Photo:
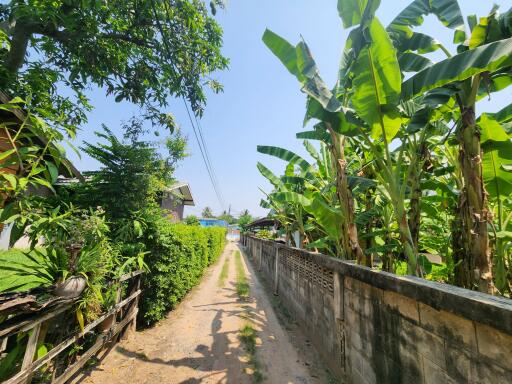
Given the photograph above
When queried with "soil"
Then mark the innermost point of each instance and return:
(199, 341)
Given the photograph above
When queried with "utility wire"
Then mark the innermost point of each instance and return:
(207, 153)
(199, 138)
(205, 159)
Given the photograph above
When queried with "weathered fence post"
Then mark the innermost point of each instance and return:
(338, 296)
(30, 352)
(130, 328)
(339, 316)
(133, 324)
(260, 253)
(276, 271)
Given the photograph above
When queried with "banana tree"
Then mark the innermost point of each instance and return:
(482, 66)
(497, 177)
(299, 62)
(311, 203)
(370, 83)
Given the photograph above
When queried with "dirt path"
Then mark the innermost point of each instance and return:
(199, 342)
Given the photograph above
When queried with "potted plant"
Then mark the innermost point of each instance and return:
(109, 301)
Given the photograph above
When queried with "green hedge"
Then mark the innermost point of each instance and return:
(178, 255)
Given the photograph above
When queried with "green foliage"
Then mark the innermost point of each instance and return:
(130, 180)
(178, 256)
(397, 165)
(138, 51)
(207, 213)
(265, 234)
(227, 217)
(244, 219)
(248, 337)
(242, 286)
(192, 220)
(17, 280)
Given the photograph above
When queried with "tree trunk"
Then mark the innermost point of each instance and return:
(368, 242)
(415, 200)
(19, 44)
(475, 270)
(349, 239)
(406, 239)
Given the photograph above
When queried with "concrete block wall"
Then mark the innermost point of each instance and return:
(374, 327)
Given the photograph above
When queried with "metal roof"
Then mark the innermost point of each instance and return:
(263, 222)
(184, 191)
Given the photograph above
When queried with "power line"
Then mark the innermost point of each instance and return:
(200, 141)
(205, 160)
(199, 138)
(207, 153)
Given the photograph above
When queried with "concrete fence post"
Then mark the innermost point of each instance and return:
(260, 251)
(338, 296)
(276, 271)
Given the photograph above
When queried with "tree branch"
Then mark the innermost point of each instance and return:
(19, 43)
(128, 39)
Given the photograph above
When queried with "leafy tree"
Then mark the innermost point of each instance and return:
(227, 217)
(244, 219)
(192, 220)
(129, 184)
(138, 51)
(430, 158)
(207, 213)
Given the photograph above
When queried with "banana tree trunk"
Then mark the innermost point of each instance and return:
(415, 185)
(475, 270)
(414, 209)
(410, 251)
(349, 240)
(368, 242)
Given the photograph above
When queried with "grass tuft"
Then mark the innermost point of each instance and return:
(242, 286)
(248, 338)
(224, 273)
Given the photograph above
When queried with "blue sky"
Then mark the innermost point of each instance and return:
(262, 102)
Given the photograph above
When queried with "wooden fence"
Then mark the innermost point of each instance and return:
(48, 314)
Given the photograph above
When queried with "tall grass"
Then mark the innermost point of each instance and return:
(224, 272)
(242, 287)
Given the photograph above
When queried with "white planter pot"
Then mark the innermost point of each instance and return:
(71, 288)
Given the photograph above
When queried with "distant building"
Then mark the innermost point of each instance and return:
(174, 200)
(207, 222)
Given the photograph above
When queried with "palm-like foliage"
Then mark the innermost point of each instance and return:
(437, 170)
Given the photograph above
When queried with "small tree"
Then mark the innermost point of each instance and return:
(244, 219)
(227, 217)
(207, 213)
(130, 182)
(192, 220)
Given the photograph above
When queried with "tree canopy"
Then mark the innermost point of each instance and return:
(207, 213)
(141, 51)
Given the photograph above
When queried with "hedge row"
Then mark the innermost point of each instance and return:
(178, 256)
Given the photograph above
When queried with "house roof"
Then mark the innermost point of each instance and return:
(184, 190)
(66, 169)
(263, 223)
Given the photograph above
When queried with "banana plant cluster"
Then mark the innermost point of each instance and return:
(406, 166)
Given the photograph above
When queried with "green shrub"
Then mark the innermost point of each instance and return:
(178, 255)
